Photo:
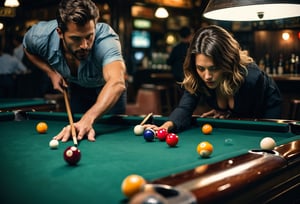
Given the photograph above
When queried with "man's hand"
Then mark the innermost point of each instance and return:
(58, 81)
(83, 128)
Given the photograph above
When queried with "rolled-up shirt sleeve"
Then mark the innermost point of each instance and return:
(107, 45)
(37, 38)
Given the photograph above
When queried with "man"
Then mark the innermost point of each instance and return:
(10, 66)
(77, 52)
(178, 53)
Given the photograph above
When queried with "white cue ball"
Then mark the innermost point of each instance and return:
(53, 144)
(267, 143)
(138, 130)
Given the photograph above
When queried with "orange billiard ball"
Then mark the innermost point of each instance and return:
(132, 185)
(207, 129)
(41, 127)
(205, 149)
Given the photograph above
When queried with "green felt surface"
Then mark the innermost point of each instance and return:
(9, 103)
(33, 173)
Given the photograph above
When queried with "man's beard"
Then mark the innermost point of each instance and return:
(81, 54)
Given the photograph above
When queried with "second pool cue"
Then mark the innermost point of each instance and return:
(146, 118)
(70, 116)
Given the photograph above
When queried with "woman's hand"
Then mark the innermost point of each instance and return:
(167, 125)
(216, 114)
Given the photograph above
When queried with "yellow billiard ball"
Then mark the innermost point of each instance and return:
(207, 129)
(205, 149)
(41, 127)
(132, 184)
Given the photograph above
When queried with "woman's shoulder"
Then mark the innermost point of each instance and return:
(253, 73)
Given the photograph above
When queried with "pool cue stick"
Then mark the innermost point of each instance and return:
(146, 118)
(70, 116)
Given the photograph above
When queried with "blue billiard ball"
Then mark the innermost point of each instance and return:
(149, 135)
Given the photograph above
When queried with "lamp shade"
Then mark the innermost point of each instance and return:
(11, 3)
(251, 10)
(161, 12)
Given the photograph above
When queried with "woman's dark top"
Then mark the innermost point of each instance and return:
(258, 97)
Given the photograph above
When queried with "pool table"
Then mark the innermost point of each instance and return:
(236, 172)
(27, 104)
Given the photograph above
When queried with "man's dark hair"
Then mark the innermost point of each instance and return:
(185, 32)
(77, 11)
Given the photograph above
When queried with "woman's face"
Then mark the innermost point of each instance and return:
(208, 72)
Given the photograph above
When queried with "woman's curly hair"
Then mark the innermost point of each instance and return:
(215, 42)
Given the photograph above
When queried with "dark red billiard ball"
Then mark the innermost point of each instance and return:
(172, 139)
(149, 135)
(161, 134)
(72, 155)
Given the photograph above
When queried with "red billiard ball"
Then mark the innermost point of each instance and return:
(72, 155)
(149, 135)
(161, 134)
(172, 139)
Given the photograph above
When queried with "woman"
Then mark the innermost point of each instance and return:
(219, 73)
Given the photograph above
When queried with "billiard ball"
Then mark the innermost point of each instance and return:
(132, 184)
(161, 134)
(228, 141)
(267, 143)
(53, 144)
(172, 139)
(72, 155)
(148, 198)
(207, 129)
(41, 127)
(149, 135)
(204, 149)
(138, 130)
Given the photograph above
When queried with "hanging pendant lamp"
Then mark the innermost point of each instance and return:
(161, 12)
(251, 10)
(11, 3)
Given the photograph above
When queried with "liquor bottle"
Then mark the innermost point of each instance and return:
(292, 63)
(267, 64)
(280, 65)
(287, 67)
(261, 64)
(297, 71)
